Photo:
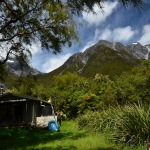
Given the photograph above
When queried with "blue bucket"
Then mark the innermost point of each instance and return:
(53, 126)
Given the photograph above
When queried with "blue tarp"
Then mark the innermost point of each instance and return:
(53, 126)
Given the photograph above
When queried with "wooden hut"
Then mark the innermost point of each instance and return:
(22, 110)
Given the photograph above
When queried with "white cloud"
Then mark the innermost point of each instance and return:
(106, 34)
(34, 48)
(54, 62)
(117, 35)
(123, 34)
(145, 38)
(89, 44)
(100, 16)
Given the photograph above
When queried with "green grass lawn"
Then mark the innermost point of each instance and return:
(69, 138)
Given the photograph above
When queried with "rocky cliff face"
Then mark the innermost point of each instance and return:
(148, 54)
(136, 49)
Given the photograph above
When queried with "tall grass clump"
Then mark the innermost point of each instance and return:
(120, 121)
(101, 121)
(135, 121)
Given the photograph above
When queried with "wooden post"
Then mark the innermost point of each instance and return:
(26, 111)
(32, 123)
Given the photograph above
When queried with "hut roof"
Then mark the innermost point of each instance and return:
(10, 97)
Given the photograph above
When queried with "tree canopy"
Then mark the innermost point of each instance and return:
(48, 22)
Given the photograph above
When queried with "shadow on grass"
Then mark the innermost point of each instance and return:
(105, 148)
(71, 148)
(58, 148)
(22, 138)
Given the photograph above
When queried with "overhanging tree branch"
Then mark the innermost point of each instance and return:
(6, 58)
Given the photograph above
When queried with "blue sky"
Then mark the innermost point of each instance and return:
(115, 24)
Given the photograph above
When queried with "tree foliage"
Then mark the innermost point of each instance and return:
(24, 22)
(3, 73)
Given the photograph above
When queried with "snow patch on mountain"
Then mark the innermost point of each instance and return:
(81, 68)
(63, 71)
(84, 60)
(113, 45)
(148, 54)
(10, 61)
(134, 43)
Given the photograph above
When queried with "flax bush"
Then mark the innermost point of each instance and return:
(136, 121)
(98, 121)
(120, 120)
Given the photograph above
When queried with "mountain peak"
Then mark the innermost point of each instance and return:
(105, 52)
(107, 43)
(136, 49)
(136, 43)
(109, 58)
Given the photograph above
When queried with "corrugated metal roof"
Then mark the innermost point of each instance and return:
(10, 97)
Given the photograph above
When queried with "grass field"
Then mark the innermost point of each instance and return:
(69, 138)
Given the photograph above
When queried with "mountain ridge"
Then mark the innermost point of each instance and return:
(104, 57)
(109, 57)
